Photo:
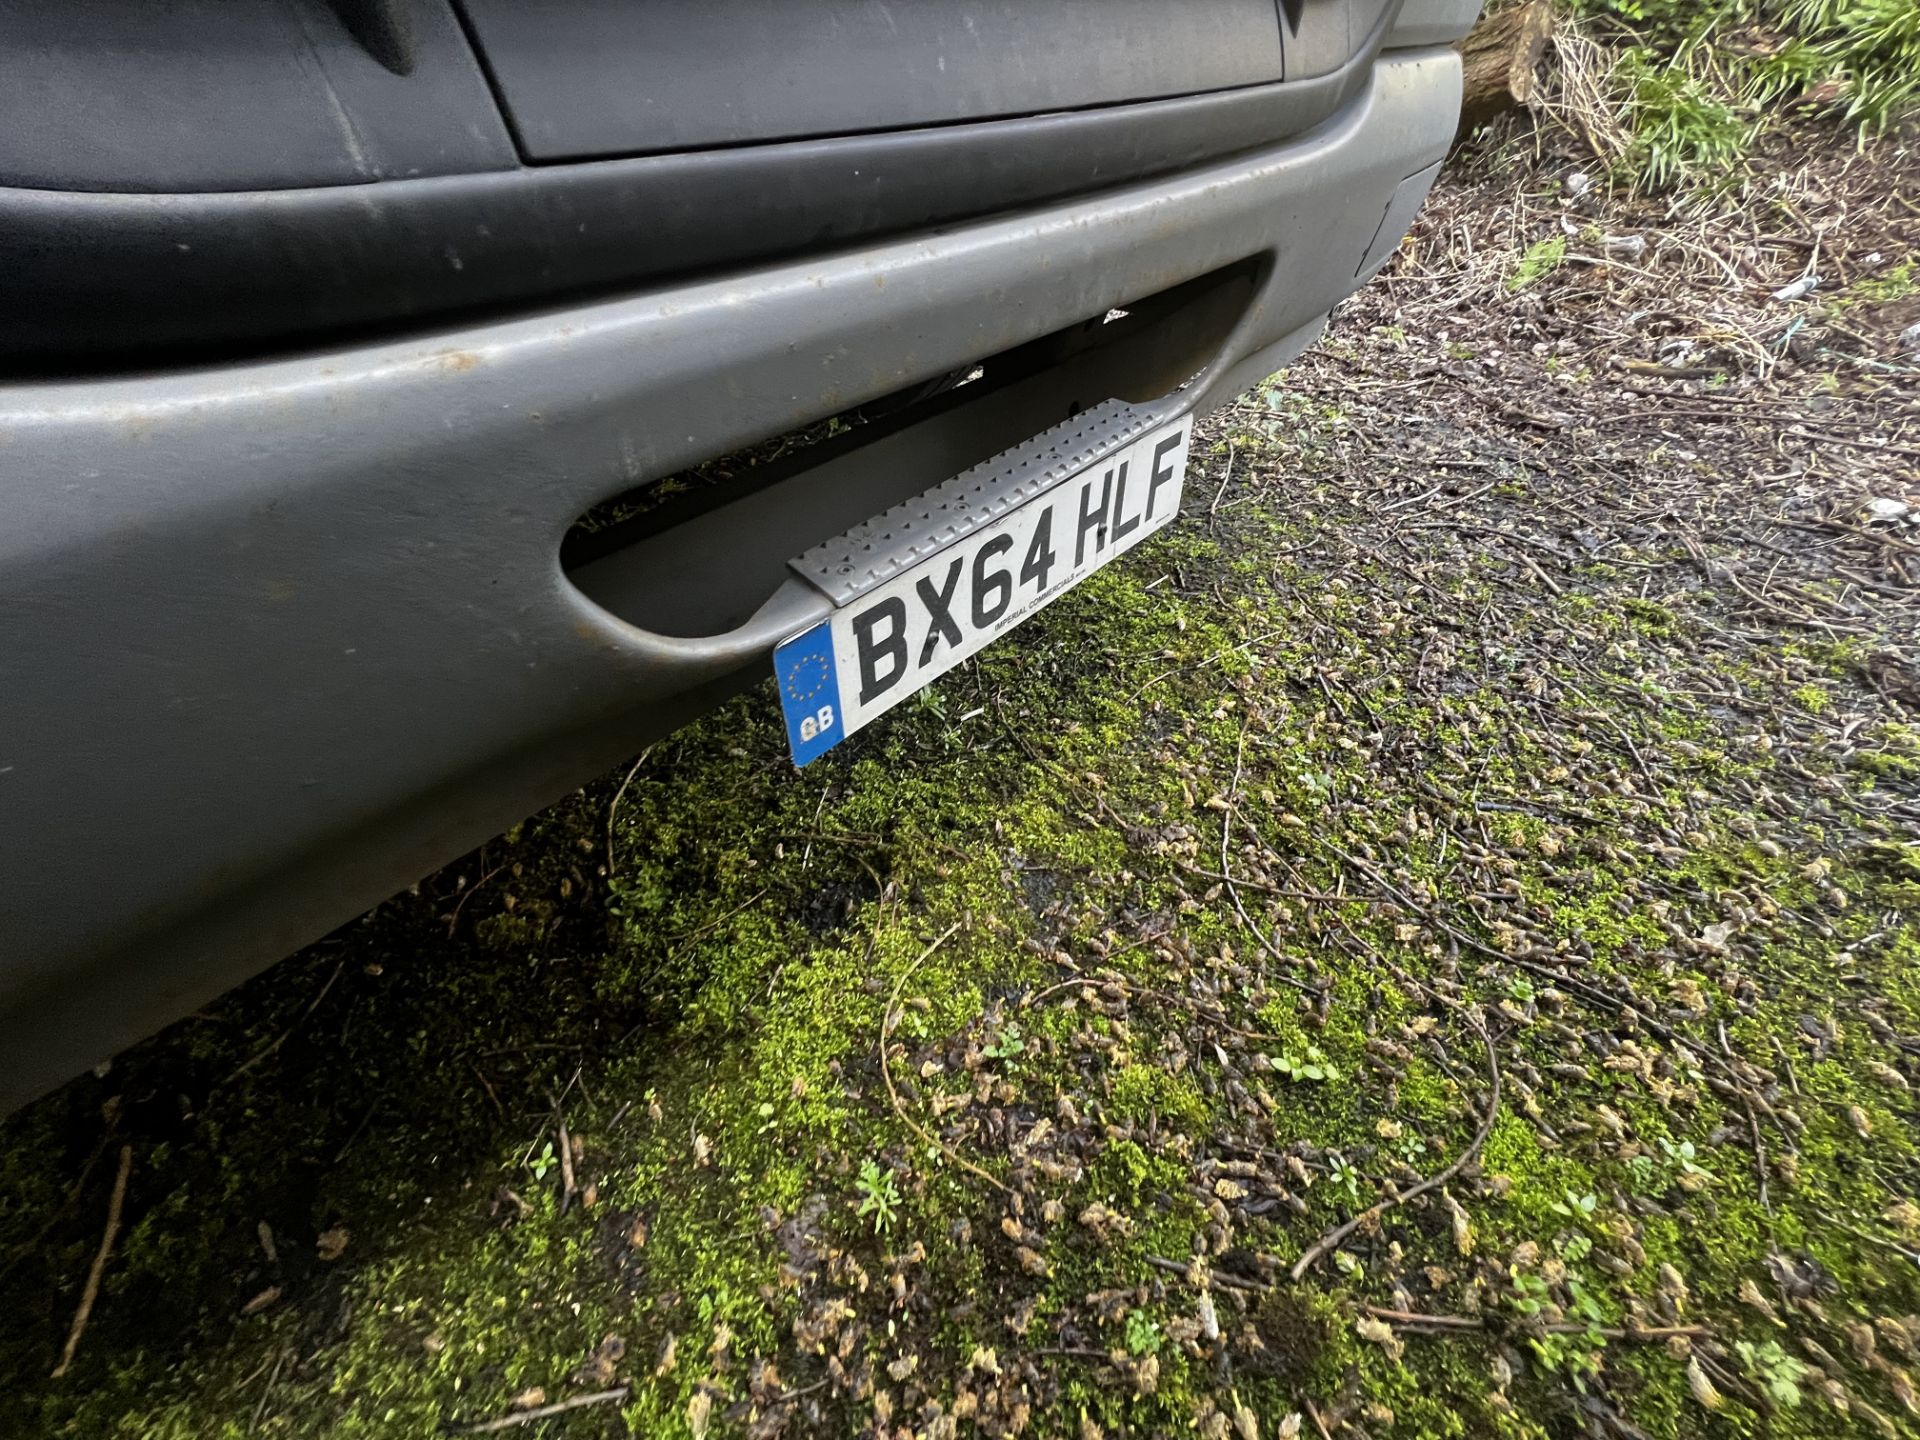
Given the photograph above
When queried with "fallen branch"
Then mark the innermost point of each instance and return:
(1753, 1125)
(1214, 1277)
(788, 1397)
(1261, 887)
(1872, 444)
(1225, 480)
(453, 916)
(547, 1412)
(1416, 1320)
(1333, 1237)
(91, 1291)
(1589, 994)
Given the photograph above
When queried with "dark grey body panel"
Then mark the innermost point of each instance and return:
(584, 78)
(195, 257)
(277, 637)
(91, 279)
(196, 95)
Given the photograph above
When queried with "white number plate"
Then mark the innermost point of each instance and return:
(899, 637)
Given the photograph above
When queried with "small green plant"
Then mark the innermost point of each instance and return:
(1693, 102)
(1669, 21)
(1318, 782)
(1569, 1355)
(932, 703)
(1576, 1354)
(1653, 1174)
(1775, 1371)
(1007, 1044)
(1344, 1175)
(1574, 1248)
(1680, 1156)
(1531, 1295)
(1673, 1168)
(1896, 283)
(1143, 1335)
(1541, 259)
(1315, 1067)
(1577, 1207)
(879, 1196)
(543, 1162)
(1585, 1307)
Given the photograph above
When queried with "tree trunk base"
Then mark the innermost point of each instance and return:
(1499, 57)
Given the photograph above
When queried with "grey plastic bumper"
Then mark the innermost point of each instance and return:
(275, 639)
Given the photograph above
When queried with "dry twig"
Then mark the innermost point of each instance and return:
(547, 1412)
(91, 1291)
(1333, 1237)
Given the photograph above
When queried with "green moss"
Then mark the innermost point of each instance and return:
(1143, 1091)
(1896, 282)
(1811, 698)
(1648, 617)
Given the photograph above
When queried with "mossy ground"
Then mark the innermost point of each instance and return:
(989, 1076)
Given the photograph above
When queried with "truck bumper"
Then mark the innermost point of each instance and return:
(277, 637)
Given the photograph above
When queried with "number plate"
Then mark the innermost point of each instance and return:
(899, 635)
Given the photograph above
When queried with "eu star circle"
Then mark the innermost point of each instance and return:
(806, 677)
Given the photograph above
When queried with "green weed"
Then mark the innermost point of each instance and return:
(879, 1196)
(1698, 82)
(1684, 126)
(1541, 259)
(1870, 49)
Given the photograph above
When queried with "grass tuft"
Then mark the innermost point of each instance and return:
(1694, 86)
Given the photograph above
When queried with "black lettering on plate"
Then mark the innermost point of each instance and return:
(1122, 527)
(1162, 472)
(1093, 520)
(873, 650)
(1040, 555)
(986, 582)
(939, 605)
